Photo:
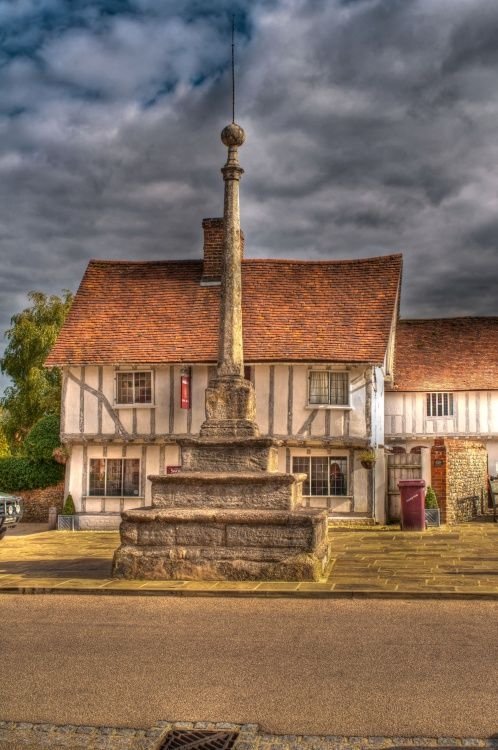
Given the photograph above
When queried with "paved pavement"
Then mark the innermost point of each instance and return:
(323, 666)
(457, 562)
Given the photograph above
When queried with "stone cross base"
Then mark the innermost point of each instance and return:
(222, 544)
(230, 408)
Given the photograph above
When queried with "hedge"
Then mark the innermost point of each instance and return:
(25, 474)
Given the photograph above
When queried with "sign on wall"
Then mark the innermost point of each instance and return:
(185, 383)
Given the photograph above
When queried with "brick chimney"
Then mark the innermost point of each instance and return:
(213, 250)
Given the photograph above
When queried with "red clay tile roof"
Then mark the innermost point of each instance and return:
(157, 312)
(456, 354)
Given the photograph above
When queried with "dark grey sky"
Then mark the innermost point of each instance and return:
(371, 128)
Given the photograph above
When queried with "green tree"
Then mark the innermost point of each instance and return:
(35, 391)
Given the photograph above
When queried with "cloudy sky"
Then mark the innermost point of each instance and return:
(371, 128)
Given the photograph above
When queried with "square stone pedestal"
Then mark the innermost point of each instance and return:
(228, 515)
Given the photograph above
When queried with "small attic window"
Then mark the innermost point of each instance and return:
(440, 405)
(133, 388)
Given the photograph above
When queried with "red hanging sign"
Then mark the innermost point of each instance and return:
(185, 390)
(173, 469)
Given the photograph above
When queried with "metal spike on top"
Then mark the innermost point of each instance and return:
(233, 69)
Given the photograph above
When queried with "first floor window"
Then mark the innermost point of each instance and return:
(440, 405)
(327, 387)
(114, 477)
(133, 387)
(327, 475)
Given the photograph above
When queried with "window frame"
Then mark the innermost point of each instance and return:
(430, 403)
(105, 459)
(329, 459)
(328, 404)
(134, 404)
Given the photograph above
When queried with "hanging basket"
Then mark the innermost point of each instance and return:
(367, 464)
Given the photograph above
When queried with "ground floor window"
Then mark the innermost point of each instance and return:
(114, 477)
(327, 475)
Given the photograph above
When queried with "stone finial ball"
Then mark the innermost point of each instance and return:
(233, 135)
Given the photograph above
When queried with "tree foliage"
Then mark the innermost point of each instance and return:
(43, 438)
(35, 391)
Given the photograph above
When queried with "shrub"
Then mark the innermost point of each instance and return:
(23, 474)
(43, 438)
(430, 499)
(69, 509)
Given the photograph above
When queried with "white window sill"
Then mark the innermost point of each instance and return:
(112, 497)
(329, 497)
(449, 416)
(311, 407)
(134, 406)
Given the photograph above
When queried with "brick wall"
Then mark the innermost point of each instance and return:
(213, 248)
(37, 502)
(459, 472)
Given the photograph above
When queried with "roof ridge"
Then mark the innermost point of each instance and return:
(294, 261)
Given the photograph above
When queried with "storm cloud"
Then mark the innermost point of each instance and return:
(371, 128)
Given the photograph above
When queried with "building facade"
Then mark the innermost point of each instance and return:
(139, 348)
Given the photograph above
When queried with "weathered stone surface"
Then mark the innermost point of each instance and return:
(177, 564)
(227, 490)
(230, 408)
(271, 536)
(200, 534)
(226, 544)
(236, 454)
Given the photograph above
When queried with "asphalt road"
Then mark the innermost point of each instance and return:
(349, 667)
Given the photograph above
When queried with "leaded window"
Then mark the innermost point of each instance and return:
(326, 475)
(328, 388)
(133, 387)
(440, 405)
(114, 477)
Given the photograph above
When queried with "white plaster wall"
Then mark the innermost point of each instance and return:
(262, 387)
(380, 487)
(281, 396)
(475, 413)
(358, 394)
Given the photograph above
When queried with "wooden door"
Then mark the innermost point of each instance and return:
(400, 465)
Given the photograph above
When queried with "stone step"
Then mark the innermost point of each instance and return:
(249, 489)
(229, 454)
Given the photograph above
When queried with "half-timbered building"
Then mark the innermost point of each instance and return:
(140, 344)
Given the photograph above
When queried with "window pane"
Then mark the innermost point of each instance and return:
(319, 476)
(114, 476)
(96, 485)
(338, 470)
(143, 387)
(131, 481)
(339, 388)
(301, 465)
(124, 393)
(319, 387)
(450, 408)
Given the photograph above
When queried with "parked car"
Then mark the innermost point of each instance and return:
(10, 512)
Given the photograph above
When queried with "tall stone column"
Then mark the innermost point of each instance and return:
(230, 399)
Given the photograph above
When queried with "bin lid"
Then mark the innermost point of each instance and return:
(411, 483)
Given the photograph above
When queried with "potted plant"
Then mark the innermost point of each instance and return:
(66, 521)
(368, 458)
(432, 515)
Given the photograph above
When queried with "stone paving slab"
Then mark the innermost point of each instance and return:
(30, 736)
(380, 562)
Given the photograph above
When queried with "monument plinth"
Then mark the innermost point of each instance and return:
(229, 514)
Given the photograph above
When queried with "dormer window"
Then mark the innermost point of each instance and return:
(133, 388)
(440, 405)
(328, 388)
